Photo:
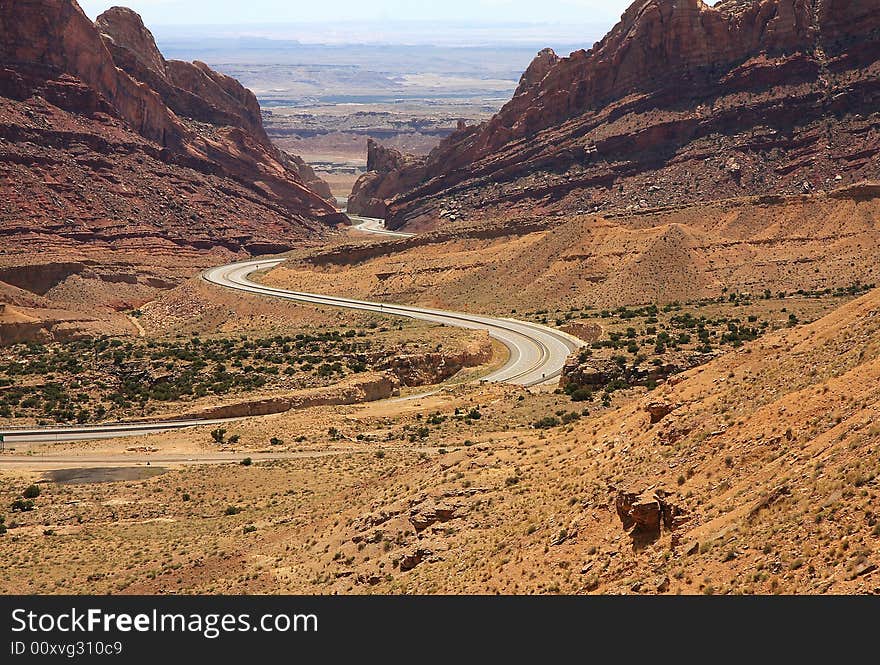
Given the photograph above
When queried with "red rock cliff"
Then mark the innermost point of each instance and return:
(388, 172)
(68, 95)
(192, 89)
(56, 33)
(675, 82)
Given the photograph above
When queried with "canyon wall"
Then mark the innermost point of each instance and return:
(680, 102)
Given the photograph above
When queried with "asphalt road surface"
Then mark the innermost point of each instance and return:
(376, 226)
(95, 432)
(537, 353)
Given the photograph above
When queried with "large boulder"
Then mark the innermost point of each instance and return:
(644, 514)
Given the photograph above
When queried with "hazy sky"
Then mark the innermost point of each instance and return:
(181, 12)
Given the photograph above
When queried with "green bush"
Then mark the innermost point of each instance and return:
(548, 422)
(233, 510)
(582, 395)
(22, 506)
(247, 461)
(31, 492)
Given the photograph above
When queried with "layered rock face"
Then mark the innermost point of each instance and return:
(680, 102)
(104, 143)
(192, 89)
(388, 172)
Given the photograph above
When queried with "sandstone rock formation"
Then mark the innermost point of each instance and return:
(192, 89)
(656, 111)
(358, 390)
(104, 143)
(645, 514)
(385, 177)
(537, 71)
(658, 410)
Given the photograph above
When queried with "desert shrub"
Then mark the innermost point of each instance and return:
(32, 492)
(247, 461)
(22, 506)
(233, 510)
(582, 395)
(547, 422)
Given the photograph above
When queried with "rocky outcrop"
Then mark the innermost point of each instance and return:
(537, 71)
(594, 373)
(194, 90)
(95, 128)
(588, 331)
(191, 90)
(307, 174)
(413, 557)
(645, 514)
(40, 277)
(429, 513)
(422, 369)
(657, 410)
(359, 390)
(124, 28)
(653, 114)
(388, 172)
(56, 34)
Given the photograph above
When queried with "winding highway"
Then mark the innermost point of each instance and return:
(537, 354)
(376, 227)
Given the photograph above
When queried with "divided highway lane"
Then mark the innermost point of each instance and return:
(537, 353)
(95, 432)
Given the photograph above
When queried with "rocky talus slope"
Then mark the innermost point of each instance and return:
(756, 473)
(681, 102)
